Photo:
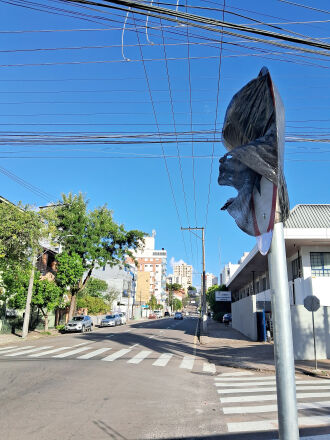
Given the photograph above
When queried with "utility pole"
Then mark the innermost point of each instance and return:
(204, 316)
(28, 298)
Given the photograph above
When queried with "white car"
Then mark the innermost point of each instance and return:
(158, 313)
(111, 320)
(123, 319)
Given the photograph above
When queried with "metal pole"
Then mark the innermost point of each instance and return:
(204, 317)
(314, 341)
(28, 299)
(283, 346)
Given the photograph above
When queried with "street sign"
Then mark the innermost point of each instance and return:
(312, 303)
(222, 296)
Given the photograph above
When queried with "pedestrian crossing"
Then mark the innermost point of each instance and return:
(133, 355)
(248, 401)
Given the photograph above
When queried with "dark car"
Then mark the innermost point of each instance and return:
(226, 318)
(178, 315)
(167, 314)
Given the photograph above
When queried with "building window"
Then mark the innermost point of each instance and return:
(320, 264)
(296, 268)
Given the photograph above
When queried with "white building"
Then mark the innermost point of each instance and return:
(153, 261)
(229, 269)
(210, 280)
(182, 274)
(307, 243)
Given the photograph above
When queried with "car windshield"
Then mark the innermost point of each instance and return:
(110, 317)
(78, 318)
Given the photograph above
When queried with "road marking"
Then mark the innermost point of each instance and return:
(249, 379)
(15, 349)
(70, 353)
(209, 368)
(18, 353)
(237, 373)
(269, 397)
(93, 353)
(116, 355)
(271, 389)
(7, 348)
(135, 345)
(247, 384)
(110, 336)
(139, 357)
(82, 343)
(151, 337)
(272, 408)
(163, 360)
(55, 350)
(187, 362)
(272, 424)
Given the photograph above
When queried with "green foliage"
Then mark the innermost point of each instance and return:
(15, 280)
(153, 303)
(177, 304)
(185, 301)
(46, 295)
(60, 328)
(94, 305)
(174, 286)
(20, 230)
(94, 287)
(70, 269)
(217, 307)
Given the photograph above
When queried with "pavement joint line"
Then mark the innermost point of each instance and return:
(265, 397)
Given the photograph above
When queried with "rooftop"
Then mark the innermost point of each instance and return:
(309, 216)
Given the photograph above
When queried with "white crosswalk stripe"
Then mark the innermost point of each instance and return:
(187, 362)
(163, 360)
(139, 357)
(44, 353)
(7, 348)
(10, 350)
(71, 353)
(116, 355)
(208, 368)
(93, 353)
(248, 391)
(236, 373)
(18, 353)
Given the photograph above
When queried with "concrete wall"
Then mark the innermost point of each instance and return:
(244, 317)
(302, 330)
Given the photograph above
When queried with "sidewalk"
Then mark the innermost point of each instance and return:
(228, 347)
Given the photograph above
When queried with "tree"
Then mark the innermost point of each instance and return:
(94, 304)
(174, 286)
(92, 235)
(94, 287)
(216, 306)
(152, 303)
(46, 296)
(111, 296)
(185, 301)
(177, 304)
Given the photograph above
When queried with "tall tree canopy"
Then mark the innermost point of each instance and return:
(93, 236)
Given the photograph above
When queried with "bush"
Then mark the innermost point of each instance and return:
(218, 316)
(60, 328)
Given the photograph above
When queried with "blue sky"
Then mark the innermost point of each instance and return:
(95, 91)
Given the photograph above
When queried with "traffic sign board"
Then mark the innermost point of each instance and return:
(312, 303)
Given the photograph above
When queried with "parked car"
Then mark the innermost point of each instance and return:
(79, 324)
(123, 319)
(178, 315)
(158, 313)
(152, 316)
(166, 314)
(111, 320)
(226, 318)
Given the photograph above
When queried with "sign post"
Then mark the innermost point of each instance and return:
(312, 304)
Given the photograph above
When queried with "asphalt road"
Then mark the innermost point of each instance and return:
(148, 380)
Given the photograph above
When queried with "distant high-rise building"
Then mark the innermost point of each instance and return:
(229, 269)
(154, 262)
(210, 280)
(182, 274)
